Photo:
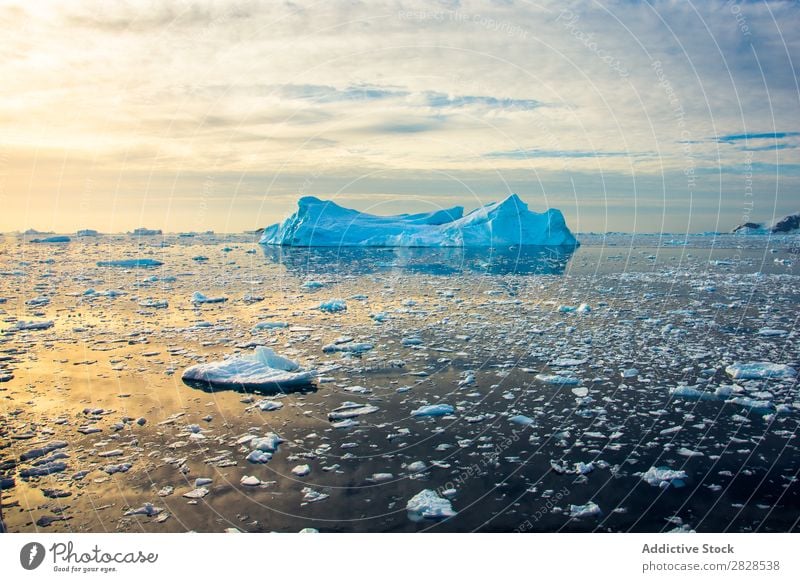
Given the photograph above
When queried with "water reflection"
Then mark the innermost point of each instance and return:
(522, 260)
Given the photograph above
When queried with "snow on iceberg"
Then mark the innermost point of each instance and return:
(263, 370)
(325, 223)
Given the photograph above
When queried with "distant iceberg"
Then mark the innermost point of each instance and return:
(326, 224)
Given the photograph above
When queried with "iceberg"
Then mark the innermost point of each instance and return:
(263, 370)
(322, 223)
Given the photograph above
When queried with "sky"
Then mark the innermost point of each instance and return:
(659, 116)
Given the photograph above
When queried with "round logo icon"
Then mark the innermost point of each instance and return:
(31, 555)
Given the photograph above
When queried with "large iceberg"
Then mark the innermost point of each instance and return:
(326, 224)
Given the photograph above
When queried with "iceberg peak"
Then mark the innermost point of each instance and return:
(506, 223)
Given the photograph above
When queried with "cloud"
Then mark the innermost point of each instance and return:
(626, 89)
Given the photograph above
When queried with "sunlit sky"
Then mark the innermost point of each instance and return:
(194, 116)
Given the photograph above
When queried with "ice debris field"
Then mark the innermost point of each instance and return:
(209, 383)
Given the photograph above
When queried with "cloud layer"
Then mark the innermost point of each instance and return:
(118, 113)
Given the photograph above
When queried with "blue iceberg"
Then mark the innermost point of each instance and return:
(326, 224)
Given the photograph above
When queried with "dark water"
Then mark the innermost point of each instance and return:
(678, 312)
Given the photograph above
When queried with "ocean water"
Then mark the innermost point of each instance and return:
(623, 415)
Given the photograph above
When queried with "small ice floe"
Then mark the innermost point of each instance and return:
(52, 239)
(691, 393)
(43, 470)
(31, 325)
(202, 481)
(250, 481)
(268, 405)
(312, 285)
(352, 348)
(629, 373)
(154, 303)
(664, 477)
(557, 379)
(761, 406)
(760, 370)
(119, 468)
(333, 306)
(131, 263)
(269, 325)
(43, 450)
(427, 504)
(307, 530)
(301, 470)
(263, 370)
(40, 301)
(411, 341)
(351, 410)
(147, 509)
(380, 477)
(590, 509)
(433, 410)
(166, 491)
(198, 493)
(522, 420)
(198, 298)
(312, 496)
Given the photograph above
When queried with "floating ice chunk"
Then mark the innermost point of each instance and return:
(43, 450)
(268, 443)
(417, 467)
(312, 496)
(590, 509)
(269, 325)
(154, 303)
(433, 410)
(264, 369)
(584, 468)
(198, 493)
(558, 380)
(269, 405)
(312, 285)
(147, 509)
(301, 470)
(664, 477)
(324, 223)
(427, 504)
(333, 306)
(752, 403)
(32, 325)
(630, 373)
(583, 308)
(258, 457)
(351, 410)
(352, 348)
(131, 263)
(42, 470)
(199, 298)
(691, 393)
(52, 239)
(760, 370)
(522, 420)
(250, 481)
(380, 477)
(568, 362)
